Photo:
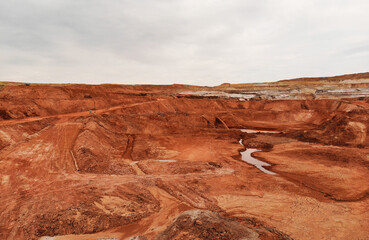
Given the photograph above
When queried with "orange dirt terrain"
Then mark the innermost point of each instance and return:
(283, 160)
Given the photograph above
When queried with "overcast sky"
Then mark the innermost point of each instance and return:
(201, 42)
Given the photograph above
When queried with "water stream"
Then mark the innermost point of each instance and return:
(167, 160)
(259, 131)
(246, 156)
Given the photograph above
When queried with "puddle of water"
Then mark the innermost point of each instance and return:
(161, 160)
(258, 131)
(246, 156)
(166, 160)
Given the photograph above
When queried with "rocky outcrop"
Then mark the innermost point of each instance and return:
(197, 224)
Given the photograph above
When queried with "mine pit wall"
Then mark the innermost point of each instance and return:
(18, 102)
(28, 101)
(168, 115)
(285, 115)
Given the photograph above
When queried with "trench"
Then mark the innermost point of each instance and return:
(129, 148)
(246, 157)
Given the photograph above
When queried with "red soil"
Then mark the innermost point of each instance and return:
(72, 173)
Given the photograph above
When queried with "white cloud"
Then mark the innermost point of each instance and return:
(175, 41)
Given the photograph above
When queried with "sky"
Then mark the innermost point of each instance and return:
(199, 42)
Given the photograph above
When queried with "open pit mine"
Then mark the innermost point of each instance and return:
(282, 160)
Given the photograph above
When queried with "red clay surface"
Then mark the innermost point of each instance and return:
(147, 163)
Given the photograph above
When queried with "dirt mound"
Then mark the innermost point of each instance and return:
(351, 129)
(99, 145)
(197, 224)
(94, 213)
